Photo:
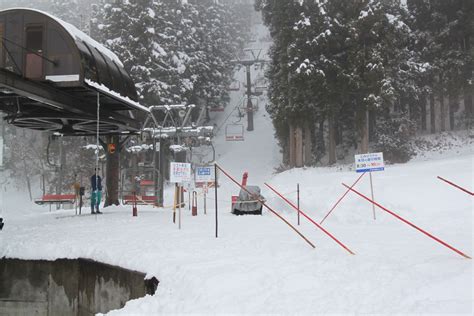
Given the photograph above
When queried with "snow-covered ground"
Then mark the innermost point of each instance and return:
(258, 265)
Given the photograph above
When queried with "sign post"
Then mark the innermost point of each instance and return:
(372, 194)
(215, 193)
(204, 191)
(368, 163)
(180, 172)
(205, 175)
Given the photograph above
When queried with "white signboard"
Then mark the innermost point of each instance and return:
(204, 174)
(180, 172)
(369, 162)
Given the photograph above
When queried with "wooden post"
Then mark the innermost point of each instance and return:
(308, 145)
(432, 114)
(292, 152)
(112, 149)
(442, 107)
(332, 140)
(299, 146)
(298, 201)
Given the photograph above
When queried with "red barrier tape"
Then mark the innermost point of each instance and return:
(408, 223)
(310, 219)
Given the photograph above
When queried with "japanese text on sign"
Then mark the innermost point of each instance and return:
(180, 172)
(369, 162)
(204, 174)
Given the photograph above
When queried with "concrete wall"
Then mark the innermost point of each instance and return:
(67, 287)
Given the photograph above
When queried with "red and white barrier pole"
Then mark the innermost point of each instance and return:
(408, 223)
(456, 186)
(342, 197)
(310, 219)
(263, 203)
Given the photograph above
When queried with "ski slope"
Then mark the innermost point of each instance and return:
(257, 265)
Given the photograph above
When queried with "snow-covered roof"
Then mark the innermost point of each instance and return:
(76, 34)
(116, 95)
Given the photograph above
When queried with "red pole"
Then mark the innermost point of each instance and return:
(456, 186)
(269, 208)
(310, 219)
(194, 209)
(409, 223)
(342, 197)
(244, 178)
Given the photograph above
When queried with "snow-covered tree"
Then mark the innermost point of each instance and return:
(176, 51)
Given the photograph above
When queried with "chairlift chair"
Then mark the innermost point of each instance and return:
(216, 109)
(260, 89)
(254, 105)
(234, 132)
(137, 184)
(234, 86)
(260, 85)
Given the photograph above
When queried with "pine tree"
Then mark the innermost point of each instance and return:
(346, 63)
(280, 17)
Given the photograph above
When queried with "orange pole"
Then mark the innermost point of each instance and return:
(321, 222)
(310, 219)
(456, 186)
(409, 223)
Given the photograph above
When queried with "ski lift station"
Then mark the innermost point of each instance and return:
(53, 76)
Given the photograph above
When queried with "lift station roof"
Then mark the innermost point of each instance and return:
(52, 76)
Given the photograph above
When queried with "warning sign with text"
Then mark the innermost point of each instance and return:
(369, 162)
(180, 172)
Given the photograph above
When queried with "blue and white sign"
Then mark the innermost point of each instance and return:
(204, 174)
(369, 162)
